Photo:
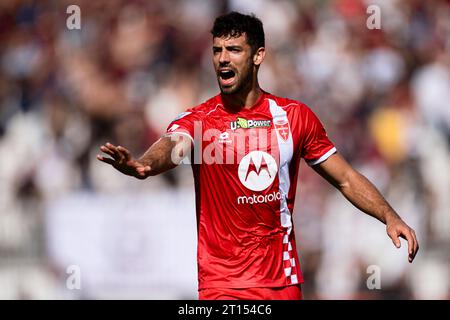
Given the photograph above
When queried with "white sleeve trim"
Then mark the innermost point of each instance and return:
(322, 158)
(168, 134)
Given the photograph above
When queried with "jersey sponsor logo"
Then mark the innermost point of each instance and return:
(249, 124)
(282, 128)
(253, 199)
(257, 170)
(224, 137)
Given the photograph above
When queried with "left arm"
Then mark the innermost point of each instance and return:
(365, 196)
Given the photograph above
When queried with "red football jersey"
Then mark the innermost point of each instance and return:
(245, 166)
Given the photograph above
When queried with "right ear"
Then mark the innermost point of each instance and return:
(259, 55)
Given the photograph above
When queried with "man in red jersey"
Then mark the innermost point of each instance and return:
(248, 145)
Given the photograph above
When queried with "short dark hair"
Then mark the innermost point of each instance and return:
(234, 24)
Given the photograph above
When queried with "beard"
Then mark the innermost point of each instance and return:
(243, 80)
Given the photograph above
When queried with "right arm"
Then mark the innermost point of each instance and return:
(163, 155)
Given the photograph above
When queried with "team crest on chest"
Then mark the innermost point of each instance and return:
(282, 128)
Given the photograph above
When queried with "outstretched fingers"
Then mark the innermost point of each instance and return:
(121, 159)
(119, 153)
(108, 151)
(114, 152)
(106, 160)
(124, 153)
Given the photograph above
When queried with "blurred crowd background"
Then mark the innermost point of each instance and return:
(383, 96)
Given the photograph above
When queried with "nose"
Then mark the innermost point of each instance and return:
(224, 57)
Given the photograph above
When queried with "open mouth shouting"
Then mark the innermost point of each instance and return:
(227, 77)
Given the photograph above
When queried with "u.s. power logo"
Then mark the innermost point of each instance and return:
(249, 123)
(257, 170)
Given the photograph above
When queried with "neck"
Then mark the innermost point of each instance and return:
(244, 99)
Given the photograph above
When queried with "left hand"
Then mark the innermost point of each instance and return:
(398, 228)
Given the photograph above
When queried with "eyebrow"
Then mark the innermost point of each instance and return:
(228, 47)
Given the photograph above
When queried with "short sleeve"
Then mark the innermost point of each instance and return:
(184, 124)
(316, 147)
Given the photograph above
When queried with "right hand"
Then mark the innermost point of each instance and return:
(123, 161)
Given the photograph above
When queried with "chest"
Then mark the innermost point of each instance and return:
(228, 138)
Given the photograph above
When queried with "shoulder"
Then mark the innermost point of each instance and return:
(197, 113)
(205, 108)
(288, 105)
(299, 114)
